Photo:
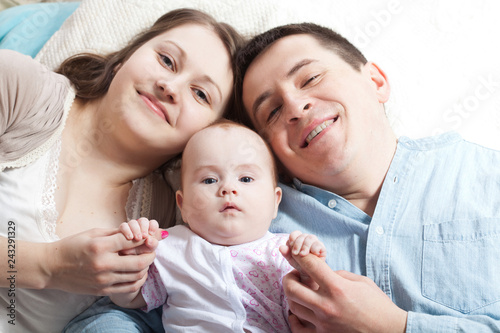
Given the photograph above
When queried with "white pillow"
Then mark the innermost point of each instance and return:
(440, 56)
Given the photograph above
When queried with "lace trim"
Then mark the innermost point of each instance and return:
(139, 198)
(147, 197)
(49, 212)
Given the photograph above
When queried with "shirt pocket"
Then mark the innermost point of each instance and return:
(461, 263)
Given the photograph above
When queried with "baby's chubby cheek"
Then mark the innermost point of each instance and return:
(198, 204)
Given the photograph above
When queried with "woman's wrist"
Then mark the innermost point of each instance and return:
(32, 271)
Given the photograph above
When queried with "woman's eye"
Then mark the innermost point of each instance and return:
(201, 95)
(209, 181)
(246, 179)
(167, 61)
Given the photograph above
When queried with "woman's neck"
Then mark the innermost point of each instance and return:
(90, 147)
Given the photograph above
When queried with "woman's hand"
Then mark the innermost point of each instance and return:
(99, 262)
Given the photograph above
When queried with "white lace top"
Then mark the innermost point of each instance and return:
(27, 187)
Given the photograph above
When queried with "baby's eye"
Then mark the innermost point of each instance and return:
(246, 179)
(167, 61)
(209, 181)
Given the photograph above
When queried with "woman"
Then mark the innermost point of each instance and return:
(75, 148)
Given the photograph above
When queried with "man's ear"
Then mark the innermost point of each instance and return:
(383, 88)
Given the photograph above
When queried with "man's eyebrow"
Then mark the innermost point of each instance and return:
(298, 66)
(265, 95)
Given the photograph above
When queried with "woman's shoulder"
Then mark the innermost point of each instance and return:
(19, 67)
(13, 63)
(27, 88)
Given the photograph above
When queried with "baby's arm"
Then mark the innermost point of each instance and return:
(300, 244)
(140, 231)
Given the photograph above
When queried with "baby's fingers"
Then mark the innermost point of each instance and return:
(302, 245)
(319, 249)
(128, 229)
(153, 227)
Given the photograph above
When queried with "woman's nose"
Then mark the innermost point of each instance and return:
(168, 90)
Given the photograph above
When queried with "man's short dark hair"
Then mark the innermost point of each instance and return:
(257, 45)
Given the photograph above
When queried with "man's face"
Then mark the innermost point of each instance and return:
(318, 113)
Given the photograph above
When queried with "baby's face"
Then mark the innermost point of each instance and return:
(228, 193)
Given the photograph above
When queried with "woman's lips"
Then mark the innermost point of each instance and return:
(155, 106)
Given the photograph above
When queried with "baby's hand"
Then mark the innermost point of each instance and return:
(139, 229)
(300, 244)
(303, 244)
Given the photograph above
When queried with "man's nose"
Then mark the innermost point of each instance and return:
(296, 107)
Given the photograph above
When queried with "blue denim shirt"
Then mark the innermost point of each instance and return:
(433, 243)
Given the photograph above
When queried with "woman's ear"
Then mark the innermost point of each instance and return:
(383, 88)
(117, 67)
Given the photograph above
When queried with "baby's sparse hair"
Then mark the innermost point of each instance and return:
(227, 124)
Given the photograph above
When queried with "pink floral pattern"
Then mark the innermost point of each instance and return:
(258, 269)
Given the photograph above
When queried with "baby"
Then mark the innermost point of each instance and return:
(222, 272)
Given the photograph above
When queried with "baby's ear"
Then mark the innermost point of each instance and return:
(278, 194)
(178, 198)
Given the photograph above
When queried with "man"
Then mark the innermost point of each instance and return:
(411, 226)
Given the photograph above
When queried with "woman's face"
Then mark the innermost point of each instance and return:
(171, 87)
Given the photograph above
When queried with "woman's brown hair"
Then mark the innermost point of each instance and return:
(91, 74)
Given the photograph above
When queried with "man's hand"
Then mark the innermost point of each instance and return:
(343, 302)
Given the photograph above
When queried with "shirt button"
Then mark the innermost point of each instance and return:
(379, 230)
(332, 203)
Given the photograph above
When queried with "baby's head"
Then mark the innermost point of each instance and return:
(229, 192)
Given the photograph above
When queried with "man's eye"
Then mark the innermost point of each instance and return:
(209, 181)
(167, 61)
(246, 179)
(273, 113)
(312, 78)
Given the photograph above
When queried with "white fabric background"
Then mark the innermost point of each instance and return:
(441, 56)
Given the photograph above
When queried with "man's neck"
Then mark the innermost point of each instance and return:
(362, 184)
